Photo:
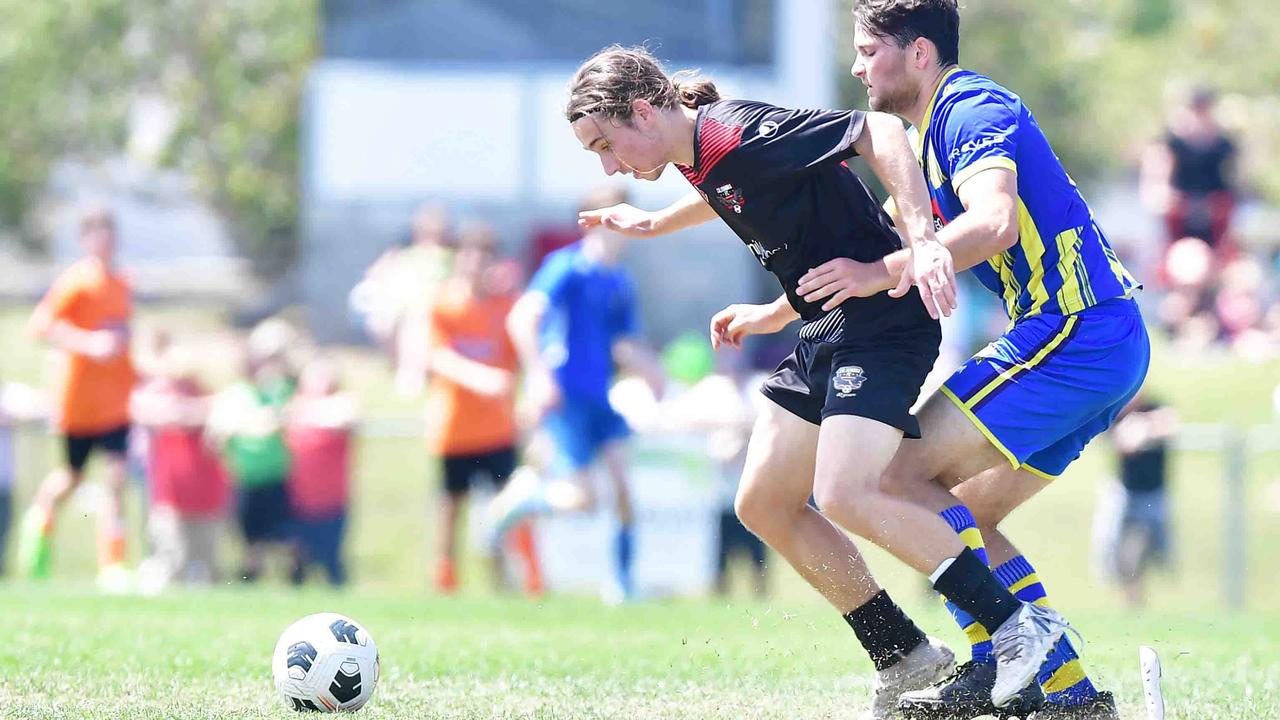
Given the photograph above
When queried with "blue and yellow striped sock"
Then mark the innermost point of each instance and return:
(1062, 677)
(961, 520)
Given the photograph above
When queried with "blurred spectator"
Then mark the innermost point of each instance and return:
(1188, 177)
(247, 422)
(319, 436)
(394, 294)
(723, 405)
(188, 486)
(18, 404)
(1202, 307)
(1132, 523)
(86, 315)
(575, 322)
(471, 398)
(1186, 311)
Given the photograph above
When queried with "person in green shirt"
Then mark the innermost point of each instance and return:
(246, 422)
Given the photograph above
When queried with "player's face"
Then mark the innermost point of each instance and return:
(882, 66)
(628, 148)
(98, 239)
(472, 260)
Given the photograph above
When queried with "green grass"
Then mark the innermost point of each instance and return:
(74, 654)
(77, 654)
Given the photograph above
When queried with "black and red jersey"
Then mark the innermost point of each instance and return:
(778, 178)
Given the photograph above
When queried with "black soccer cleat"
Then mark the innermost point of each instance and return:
(1102, 707)
(966, 695)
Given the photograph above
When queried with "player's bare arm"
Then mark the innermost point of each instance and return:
(686, 212)
(522, 325)
(475, 376)
(732, 324)
(928, 266)
(987, 227)
(638, 359)
(100, 345)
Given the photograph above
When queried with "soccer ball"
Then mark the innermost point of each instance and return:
(325, 662)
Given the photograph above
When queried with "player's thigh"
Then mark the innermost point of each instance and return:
(994, 493)
(779, 466)
(853, 453)
(950, 450)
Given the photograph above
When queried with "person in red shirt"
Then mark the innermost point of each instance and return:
(86, 315)
(189, 486)
(320, 420)
(471, 395)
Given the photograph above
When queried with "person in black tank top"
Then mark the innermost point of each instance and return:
(779, 179)
(1188, 176)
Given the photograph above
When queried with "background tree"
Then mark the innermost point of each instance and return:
(231, 73)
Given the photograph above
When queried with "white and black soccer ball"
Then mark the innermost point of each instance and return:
(325, 663)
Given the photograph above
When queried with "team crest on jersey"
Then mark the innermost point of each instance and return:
(730, 197)
(847, 380)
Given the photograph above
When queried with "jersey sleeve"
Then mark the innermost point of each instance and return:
(57, 304)
(979, 131)
(781, 142)
(439, 329)
(552, 279)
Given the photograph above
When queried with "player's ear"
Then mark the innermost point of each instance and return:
(922, 51)
(642, 109)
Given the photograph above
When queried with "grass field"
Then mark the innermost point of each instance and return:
(74, 654)
(190, 655)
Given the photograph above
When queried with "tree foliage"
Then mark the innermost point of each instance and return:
(230, 72)
(1100, 74)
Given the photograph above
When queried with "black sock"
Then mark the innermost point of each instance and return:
(970, 584)
(884, 630)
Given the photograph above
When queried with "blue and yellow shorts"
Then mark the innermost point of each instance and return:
(1052, 383)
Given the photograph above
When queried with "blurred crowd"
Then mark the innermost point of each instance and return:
(270, 449)
(1212, 291)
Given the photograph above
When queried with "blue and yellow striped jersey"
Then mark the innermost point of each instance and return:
(1062, 262)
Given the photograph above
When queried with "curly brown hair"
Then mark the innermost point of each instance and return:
(613, 78)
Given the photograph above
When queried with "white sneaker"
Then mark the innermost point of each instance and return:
(521, 497)
(1021, 645)
(926, 664)
(116, 579)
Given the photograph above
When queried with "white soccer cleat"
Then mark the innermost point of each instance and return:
(522, 497)
(926, 664)
(1021, 645)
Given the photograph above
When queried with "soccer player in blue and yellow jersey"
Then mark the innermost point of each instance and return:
(1075, 352)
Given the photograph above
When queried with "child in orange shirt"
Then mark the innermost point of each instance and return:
(86, 315)
(471, 405)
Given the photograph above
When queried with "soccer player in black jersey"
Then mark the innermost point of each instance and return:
(841, 402)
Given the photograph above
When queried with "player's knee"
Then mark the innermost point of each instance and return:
(760, 511)
(850, 503)
(987, 513)
(749, 509)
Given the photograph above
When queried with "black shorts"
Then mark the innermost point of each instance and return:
(79, 447)
(876, 381)
(264, 514)
(458, 471)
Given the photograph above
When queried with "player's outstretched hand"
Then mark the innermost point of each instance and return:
(732, 324)
(621, 218)
(931, 270)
